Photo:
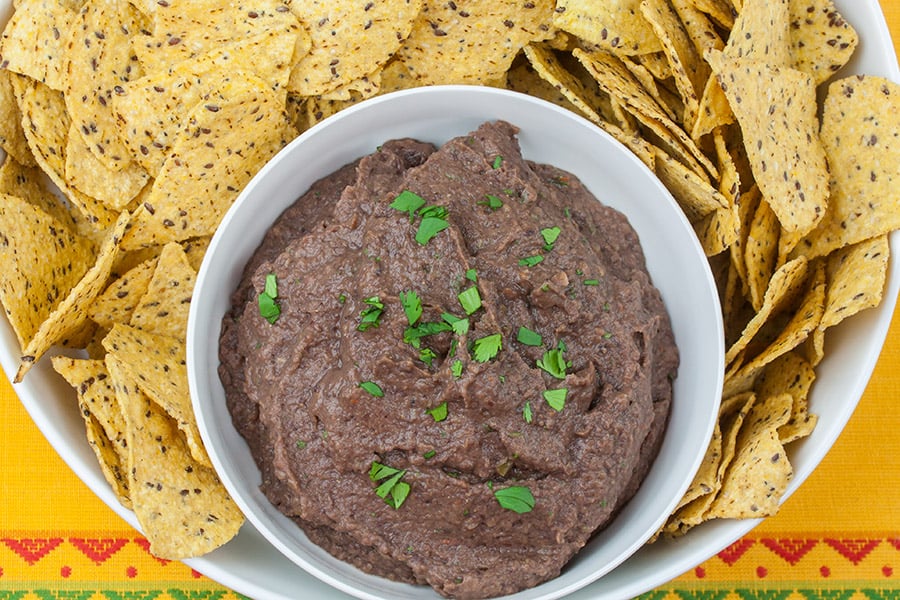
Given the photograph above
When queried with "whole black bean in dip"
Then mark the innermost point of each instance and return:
(450, 365)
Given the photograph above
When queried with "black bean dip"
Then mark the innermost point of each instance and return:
(477, 446)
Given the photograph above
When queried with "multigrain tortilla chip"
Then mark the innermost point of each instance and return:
(156, 363)
(776, 108)
(150, 111)
(103, 417)
(446, 47)
(71, 313)
(164, 307)
(43, 260)
(718, 230)
(34, 41)
(695, 195)
(12, 138)
(117, 302)
(794, 375)
(28, 184)
(761, 251)
(861, 136)
(348, 40)
(181, 505)
(822, 41)
(856, 278)
(225, 140)
(615, 25)
(99, 62)
(761, 33)
(721, 11)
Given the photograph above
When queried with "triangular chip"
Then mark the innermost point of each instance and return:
(761, 33)
(794, 375)
(163, 309)
(12, 138)
(856, 279)
(718, 230)
(761, 251)
(615, 25)
(71, 313)
(28, 183)
(822, 41)
(34, 41)
(118, 301)
(181, 505)
(861, 135)
(776, 108)
(696, 197)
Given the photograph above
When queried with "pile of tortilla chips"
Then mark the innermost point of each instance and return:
(130, 126)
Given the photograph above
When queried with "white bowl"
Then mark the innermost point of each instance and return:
(548, 134)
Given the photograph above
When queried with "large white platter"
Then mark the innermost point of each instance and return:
(252, 567)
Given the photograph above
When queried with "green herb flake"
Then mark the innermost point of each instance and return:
(553, 363)
(591, 282)
(456, 368)
(412, 306)
(498, 160)
(530, 261)
(268, 307)
(472, 275)
(487, 347)
(459, 326)
(429, 455)
(412, 335)
(439, 412)
(301, 444)
(427, 356)
(393, 491)
(434, 211)
(556, 398)
(372, 387)
(430, 227)
(470, 299)
(371, 315)
(517, 498)
(526, 412)
(342, 298)
(492, 202)
(408, 202)
(528, 337)
(550, 235)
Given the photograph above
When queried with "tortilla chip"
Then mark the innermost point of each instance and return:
(71, 313)
(478, 48)
(777, 112)
(225, 140)
(163, 309)
(43, 260)
(156, 363)
(103, 418)
(861, 135)
(721, 11)
(117, 302)
(181, 505)
(696, 197)
(794, 375)
(195, 250)
(28, 184)
(704, 481)
(12, 138)
(718, 230)
(821, 40)
(615, 25)
(761, 252)
(856, 279)
(760, 32)
(35, 39)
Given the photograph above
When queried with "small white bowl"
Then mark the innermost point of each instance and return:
(548, 134)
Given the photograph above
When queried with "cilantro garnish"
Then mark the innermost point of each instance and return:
(434, 218)
(472, 275)
(550, 234)
(429, 455)
(393, 491)
(530, 261)
(372, 387)
(427, 356)
(526, 412)
(456, 368)
(412, 306)
(556, 398)
(492, 202)
(268, 307)
(470, 299)
(371, 315)
(591, 282)
(528, 337)
(487, 347)
(439, 412)
(553, 362)
(408, 202)
(517, 498)
(498, 160)
(430, 227)
(412, 335)
(459, 326)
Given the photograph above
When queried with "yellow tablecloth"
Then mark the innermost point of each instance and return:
(838, 537)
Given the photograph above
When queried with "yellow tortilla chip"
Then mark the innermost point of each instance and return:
(861, 135)
(721, 11)
(225, 140)
(35, 39)
(777, 112)
(156, 363)
(760, 32)
(718, 230)
(164, 307)
(27, 183)
(195, 250)
(856, 278)
(71, 313)
(761, 251)
(12, 138)
(43, 260)
(181, 505)
(615, 25)
(822, 41)
(117, 302)
(696, 197)
(445, 47)
(794, 375)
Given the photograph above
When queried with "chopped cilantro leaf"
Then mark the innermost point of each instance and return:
(553, 363)
(371, 315)
(530, 261)
(434, 211)
(498, 160)
(528, 337)
(591, 282)
(526, 412)
(487, 347)
(556, 398)
(412, 306)
(456, 368)
(301, 444)
(372, 387)
(427, 356)
(517, 498)
(271, 287)
(268, 307)
(430, 227)
(439, 412)
(472, 275)
(459, 326)
(550, 235)
(408, 202)
(492, 202)
(470, 299)
(429, 455)
(342, 298)
(393, 491)
(414, 334)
